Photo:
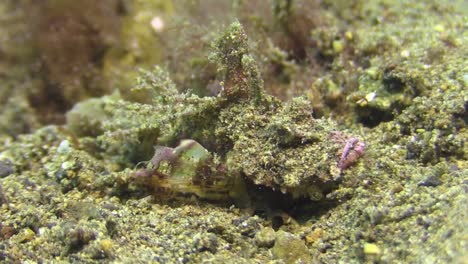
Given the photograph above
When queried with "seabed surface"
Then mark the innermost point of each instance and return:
(280, 131)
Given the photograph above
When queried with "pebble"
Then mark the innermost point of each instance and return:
(265, 237)
(290, 248)
(6, 168)
(206, 241)
(371, 249)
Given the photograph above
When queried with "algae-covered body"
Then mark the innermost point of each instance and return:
(250, 133)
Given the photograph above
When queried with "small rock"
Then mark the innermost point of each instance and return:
(206, 242)
(290, 248)
(265, 237)
(371, 249)
(314, 236)
(431, 181)
(247, 226)
(64, 147)
(3, 199)
(78, 237)
(7, 231)
(25, 235)
(102, 250)
(6, 168)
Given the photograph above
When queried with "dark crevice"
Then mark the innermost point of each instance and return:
(393, 84)
(274, 205)
(371, 117)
